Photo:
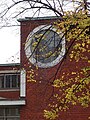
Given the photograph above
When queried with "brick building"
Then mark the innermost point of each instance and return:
(21, 97)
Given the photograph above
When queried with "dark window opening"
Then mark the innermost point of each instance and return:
(46, 46)
(10, 113)
(10, 81)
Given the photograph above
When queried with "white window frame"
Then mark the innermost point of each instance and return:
(23, 83)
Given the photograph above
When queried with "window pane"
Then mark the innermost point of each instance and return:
(17, 111)
(12, 112)
(49, 46)
(1, 81)
(12, 118)
(9, 118)
(14, 80)
(2, 118)
(1, 112)
(9, 114)
(7, 81)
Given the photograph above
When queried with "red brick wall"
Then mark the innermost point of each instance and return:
(9, 67)
(40, 93)
(26, 28)
(12, 95)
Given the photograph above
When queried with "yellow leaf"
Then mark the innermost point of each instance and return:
(88, 61)
(83, 44)
(73, 73)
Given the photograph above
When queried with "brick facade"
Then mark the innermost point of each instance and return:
(39, 94)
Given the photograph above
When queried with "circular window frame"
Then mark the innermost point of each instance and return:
(29, 53)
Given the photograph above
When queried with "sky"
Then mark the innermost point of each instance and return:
(9, 45)
(10, 37)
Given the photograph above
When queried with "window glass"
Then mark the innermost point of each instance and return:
(1, 112)
(7, 81)
(1, 81)
(46, 45)
(10, 81)
(12, 118)
(14, 81)
(9, 114)
(7, 111)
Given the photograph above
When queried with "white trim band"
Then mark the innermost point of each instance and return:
(12, 102)
(9, 71)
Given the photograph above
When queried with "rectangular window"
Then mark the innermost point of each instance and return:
(9, 81)
(10, 113)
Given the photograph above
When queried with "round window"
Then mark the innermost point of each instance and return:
(44, 46)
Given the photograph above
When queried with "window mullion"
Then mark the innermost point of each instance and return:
(4, 81)
(17, 81)
(4, 114)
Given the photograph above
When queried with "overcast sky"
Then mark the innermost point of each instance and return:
(9, 45)
(10, 37)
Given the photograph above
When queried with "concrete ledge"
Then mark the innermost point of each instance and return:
(5, 102)
(39, 18)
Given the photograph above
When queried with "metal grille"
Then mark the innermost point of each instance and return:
(9, 114)
(9, 81)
